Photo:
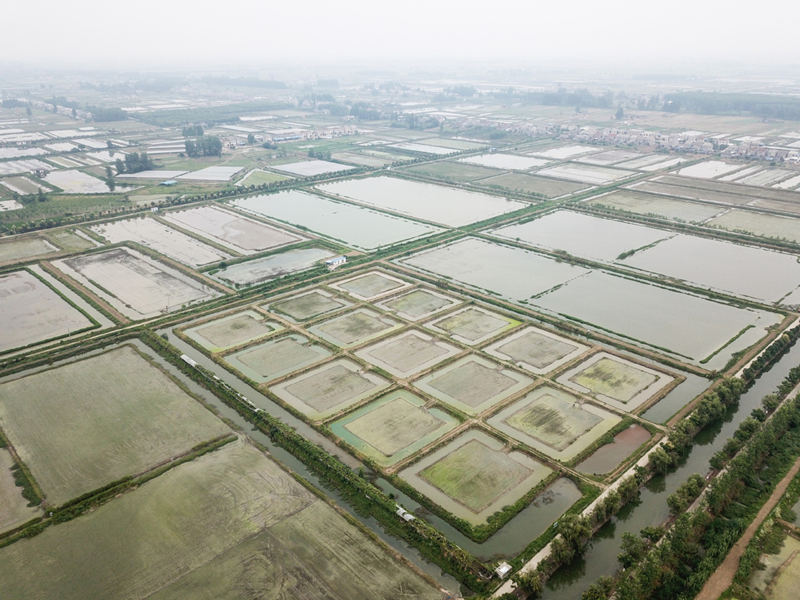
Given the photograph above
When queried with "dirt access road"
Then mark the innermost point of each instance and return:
(722, 578)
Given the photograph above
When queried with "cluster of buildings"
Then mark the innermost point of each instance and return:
(693, 142)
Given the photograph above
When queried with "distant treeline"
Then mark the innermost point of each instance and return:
(244, 82)
(712, 103)
(209, 114)
(773, 106)
(101, 114)
(562, 97)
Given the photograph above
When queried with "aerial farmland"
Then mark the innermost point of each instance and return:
(291, 339)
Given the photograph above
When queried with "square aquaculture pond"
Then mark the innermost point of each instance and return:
(475, 475)
(418, 304)
(233, 330)
(310, 305)
(472, 325)
(473, 384)
(329, 389)
(277, 357)
(536, 350)
(554, 422)
(372, 285)
(354, 328)
(408, 353)
(620, 383)
(393, 427)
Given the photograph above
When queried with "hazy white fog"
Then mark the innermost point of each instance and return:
(182, 32)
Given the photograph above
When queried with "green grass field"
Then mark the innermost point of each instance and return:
(452, 171)
(532, 184)
(93, 421)
(227, 525)
(259, 177)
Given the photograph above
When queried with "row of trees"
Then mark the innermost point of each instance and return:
(698, 542)
(192, 130)
(134, 162)
(205, 145)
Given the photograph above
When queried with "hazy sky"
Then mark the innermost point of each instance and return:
(172, 32)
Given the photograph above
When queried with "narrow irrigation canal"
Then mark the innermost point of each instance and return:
(569, 582)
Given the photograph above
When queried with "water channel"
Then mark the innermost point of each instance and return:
(600, 559)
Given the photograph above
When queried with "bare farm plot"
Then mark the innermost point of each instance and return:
(78, 182)
(44, 415)
(240, 234)
(11, 167)
(654, 162)
(393, 427)
(709, 169)
(473, 325)
(21, 247)
(162, 174)
(473, 476)
(371, 285)
(418, 304)
(427, 201)
(354, 328)
(136, 285)
(161, 238)
(562, 152)
(258, 270)
(14, 509)
(505, 161)
(612, 157)
(554, 422)
(661, 206)
(446, 170)
(233, 330)
(215, 173)
(408, 353)
(532, 184)
(225, 526)
(311, 168)
(362, 160)
(277, 357)
(307, 306)
(473, 384)
(618, 382)
(23, 185)
(329, 389)
(31, 312)
(260, 177)
(788, 184)
(766, 177)
(585, 174)
(425, 148)
(536, 350)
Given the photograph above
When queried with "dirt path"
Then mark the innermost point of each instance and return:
(722, 578)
